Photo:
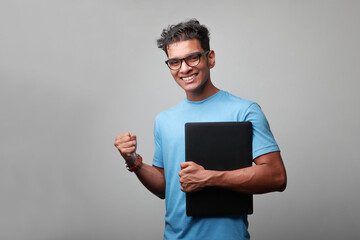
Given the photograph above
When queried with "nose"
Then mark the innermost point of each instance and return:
(184, 68)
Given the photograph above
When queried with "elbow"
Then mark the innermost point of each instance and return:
(160, 193)
(161, 196)
(282, 187)
(281, 182)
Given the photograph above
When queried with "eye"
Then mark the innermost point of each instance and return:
(174, 62)
(192, 58)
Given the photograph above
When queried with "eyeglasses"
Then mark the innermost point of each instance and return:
(192, 60)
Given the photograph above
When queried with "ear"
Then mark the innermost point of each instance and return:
(211, 59)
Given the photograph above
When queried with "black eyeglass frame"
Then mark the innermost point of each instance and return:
(184, 59)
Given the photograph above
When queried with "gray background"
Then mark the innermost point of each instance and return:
(75, 74)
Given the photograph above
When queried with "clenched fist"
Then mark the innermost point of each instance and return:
(126, 144)
(193, 177)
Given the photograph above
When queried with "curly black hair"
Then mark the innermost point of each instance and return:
(191, 29)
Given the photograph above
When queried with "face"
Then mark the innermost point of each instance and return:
(194, 80)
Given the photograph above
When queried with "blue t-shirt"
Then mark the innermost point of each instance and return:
(169, 134)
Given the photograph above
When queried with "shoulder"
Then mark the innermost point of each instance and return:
(229, 97)
(242, 104)
(246, 110)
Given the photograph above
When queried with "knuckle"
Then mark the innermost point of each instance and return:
(122, 136)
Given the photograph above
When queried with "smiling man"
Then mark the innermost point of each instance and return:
(190, 60)
(194, 76)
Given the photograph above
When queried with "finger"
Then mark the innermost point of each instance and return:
(184, 189)
(127, 151)
(124, 135)
(129, 138)
(184, 165)
(124, 144)
(182, 173)
(121, 139)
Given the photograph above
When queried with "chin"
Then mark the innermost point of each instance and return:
(191, 88)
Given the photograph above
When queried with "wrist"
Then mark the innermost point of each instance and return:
(214, 178)
(134, 165)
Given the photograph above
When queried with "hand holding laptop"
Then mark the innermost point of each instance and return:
(192, 177)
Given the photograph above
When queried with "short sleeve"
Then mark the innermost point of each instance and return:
(263, 139)
(158, 159)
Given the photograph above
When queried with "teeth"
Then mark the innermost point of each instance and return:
(188, 78)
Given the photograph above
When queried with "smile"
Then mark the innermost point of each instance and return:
(186, 79)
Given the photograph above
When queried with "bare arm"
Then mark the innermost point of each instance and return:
(151, 177)
(267, 175)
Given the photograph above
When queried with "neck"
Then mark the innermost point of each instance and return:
(203, 93)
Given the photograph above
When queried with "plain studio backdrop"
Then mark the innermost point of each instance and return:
(75, 74)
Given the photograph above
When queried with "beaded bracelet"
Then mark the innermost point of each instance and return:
(137, 165)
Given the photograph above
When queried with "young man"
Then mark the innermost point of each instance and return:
(190, 60)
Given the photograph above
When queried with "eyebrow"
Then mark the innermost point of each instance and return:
(194, 53)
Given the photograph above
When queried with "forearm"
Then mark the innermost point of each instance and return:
(254, 180)
(262, 178)
(153, 179)
(150, 176)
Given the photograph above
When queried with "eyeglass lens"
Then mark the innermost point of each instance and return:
(191, 60)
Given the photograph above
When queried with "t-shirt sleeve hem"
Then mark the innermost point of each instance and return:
(262, 151)
(157, 163)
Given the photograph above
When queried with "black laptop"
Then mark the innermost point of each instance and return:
(221, 146)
